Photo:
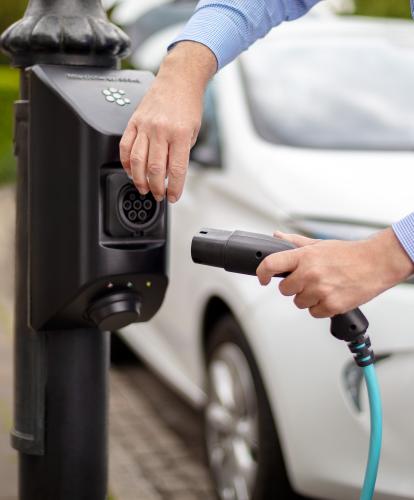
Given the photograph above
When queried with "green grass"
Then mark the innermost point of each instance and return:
(383, 8)
(9, 84)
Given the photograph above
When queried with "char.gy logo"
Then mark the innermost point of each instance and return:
(116, 95)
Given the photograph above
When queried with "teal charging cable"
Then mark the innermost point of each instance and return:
(375, 439)
(360, 346)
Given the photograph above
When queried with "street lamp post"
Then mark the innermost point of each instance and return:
(61, 376)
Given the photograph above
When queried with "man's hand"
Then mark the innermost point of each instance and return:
(333, 277)
(157, 141)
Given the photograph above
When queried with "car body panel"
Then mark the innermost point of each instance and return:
(261, 187)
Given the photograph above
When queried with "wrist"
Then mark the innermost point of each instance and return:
(396, 265)
(191, 63)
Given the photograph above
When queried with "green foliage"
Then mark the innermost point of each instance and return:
(10, 11)
(9, 83)
(383, 8)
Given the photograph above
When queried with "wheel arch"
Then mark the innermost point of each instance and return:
(215, 308)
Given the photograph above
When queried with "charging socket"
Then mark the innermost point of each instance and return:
(128, 213)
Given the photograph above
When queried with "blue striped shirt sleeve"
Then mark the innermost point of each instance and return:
(228, 27)
(404, 230)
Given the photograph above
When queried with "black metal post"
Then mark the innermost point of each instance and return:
(61, 377)
(74, 465)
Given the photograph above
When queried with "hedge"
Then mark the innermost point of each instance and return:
(383, 8)
(9, 82)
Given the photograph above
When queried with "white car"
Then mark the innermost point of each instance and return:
(311, 131)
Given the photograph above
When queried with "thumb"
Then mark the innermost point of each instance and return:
(296, 239)
(277, 263)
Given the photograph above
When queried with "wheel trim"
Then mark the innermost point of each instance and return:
(232, 424)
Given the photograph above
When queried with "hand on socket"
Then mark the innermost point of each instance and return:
(157, 141)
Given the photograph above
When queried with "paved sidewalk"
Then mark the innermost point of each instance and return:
(155, 439)
(8, 458)
(155, 448)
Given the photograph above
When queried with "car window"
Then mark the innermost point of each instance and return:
(343, 93)
(206, 150)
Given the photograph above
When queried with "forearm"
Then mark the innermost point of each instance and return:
(394, 263)
(228, 27)
(189, 63)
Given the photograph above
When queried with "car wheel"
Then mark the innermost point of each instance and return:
(242, 446)
(121, 353)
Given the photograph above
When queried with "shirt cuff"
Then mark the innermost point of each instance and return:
(404, 230)
(217, 30)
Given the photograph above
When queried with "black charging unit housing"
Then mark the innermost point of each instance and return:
(98, 248)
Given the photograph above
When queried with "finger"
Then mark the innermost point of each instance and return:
(291, 285)
(296, 239)
(319, 311)
(139, 155)
(194, 137)
(178, 158)
(306, 300)
(125, 147)
(157, 165)
(277, 263)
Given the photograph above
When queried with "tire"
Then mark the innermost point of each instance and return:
(264, 471)
(121, 353)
